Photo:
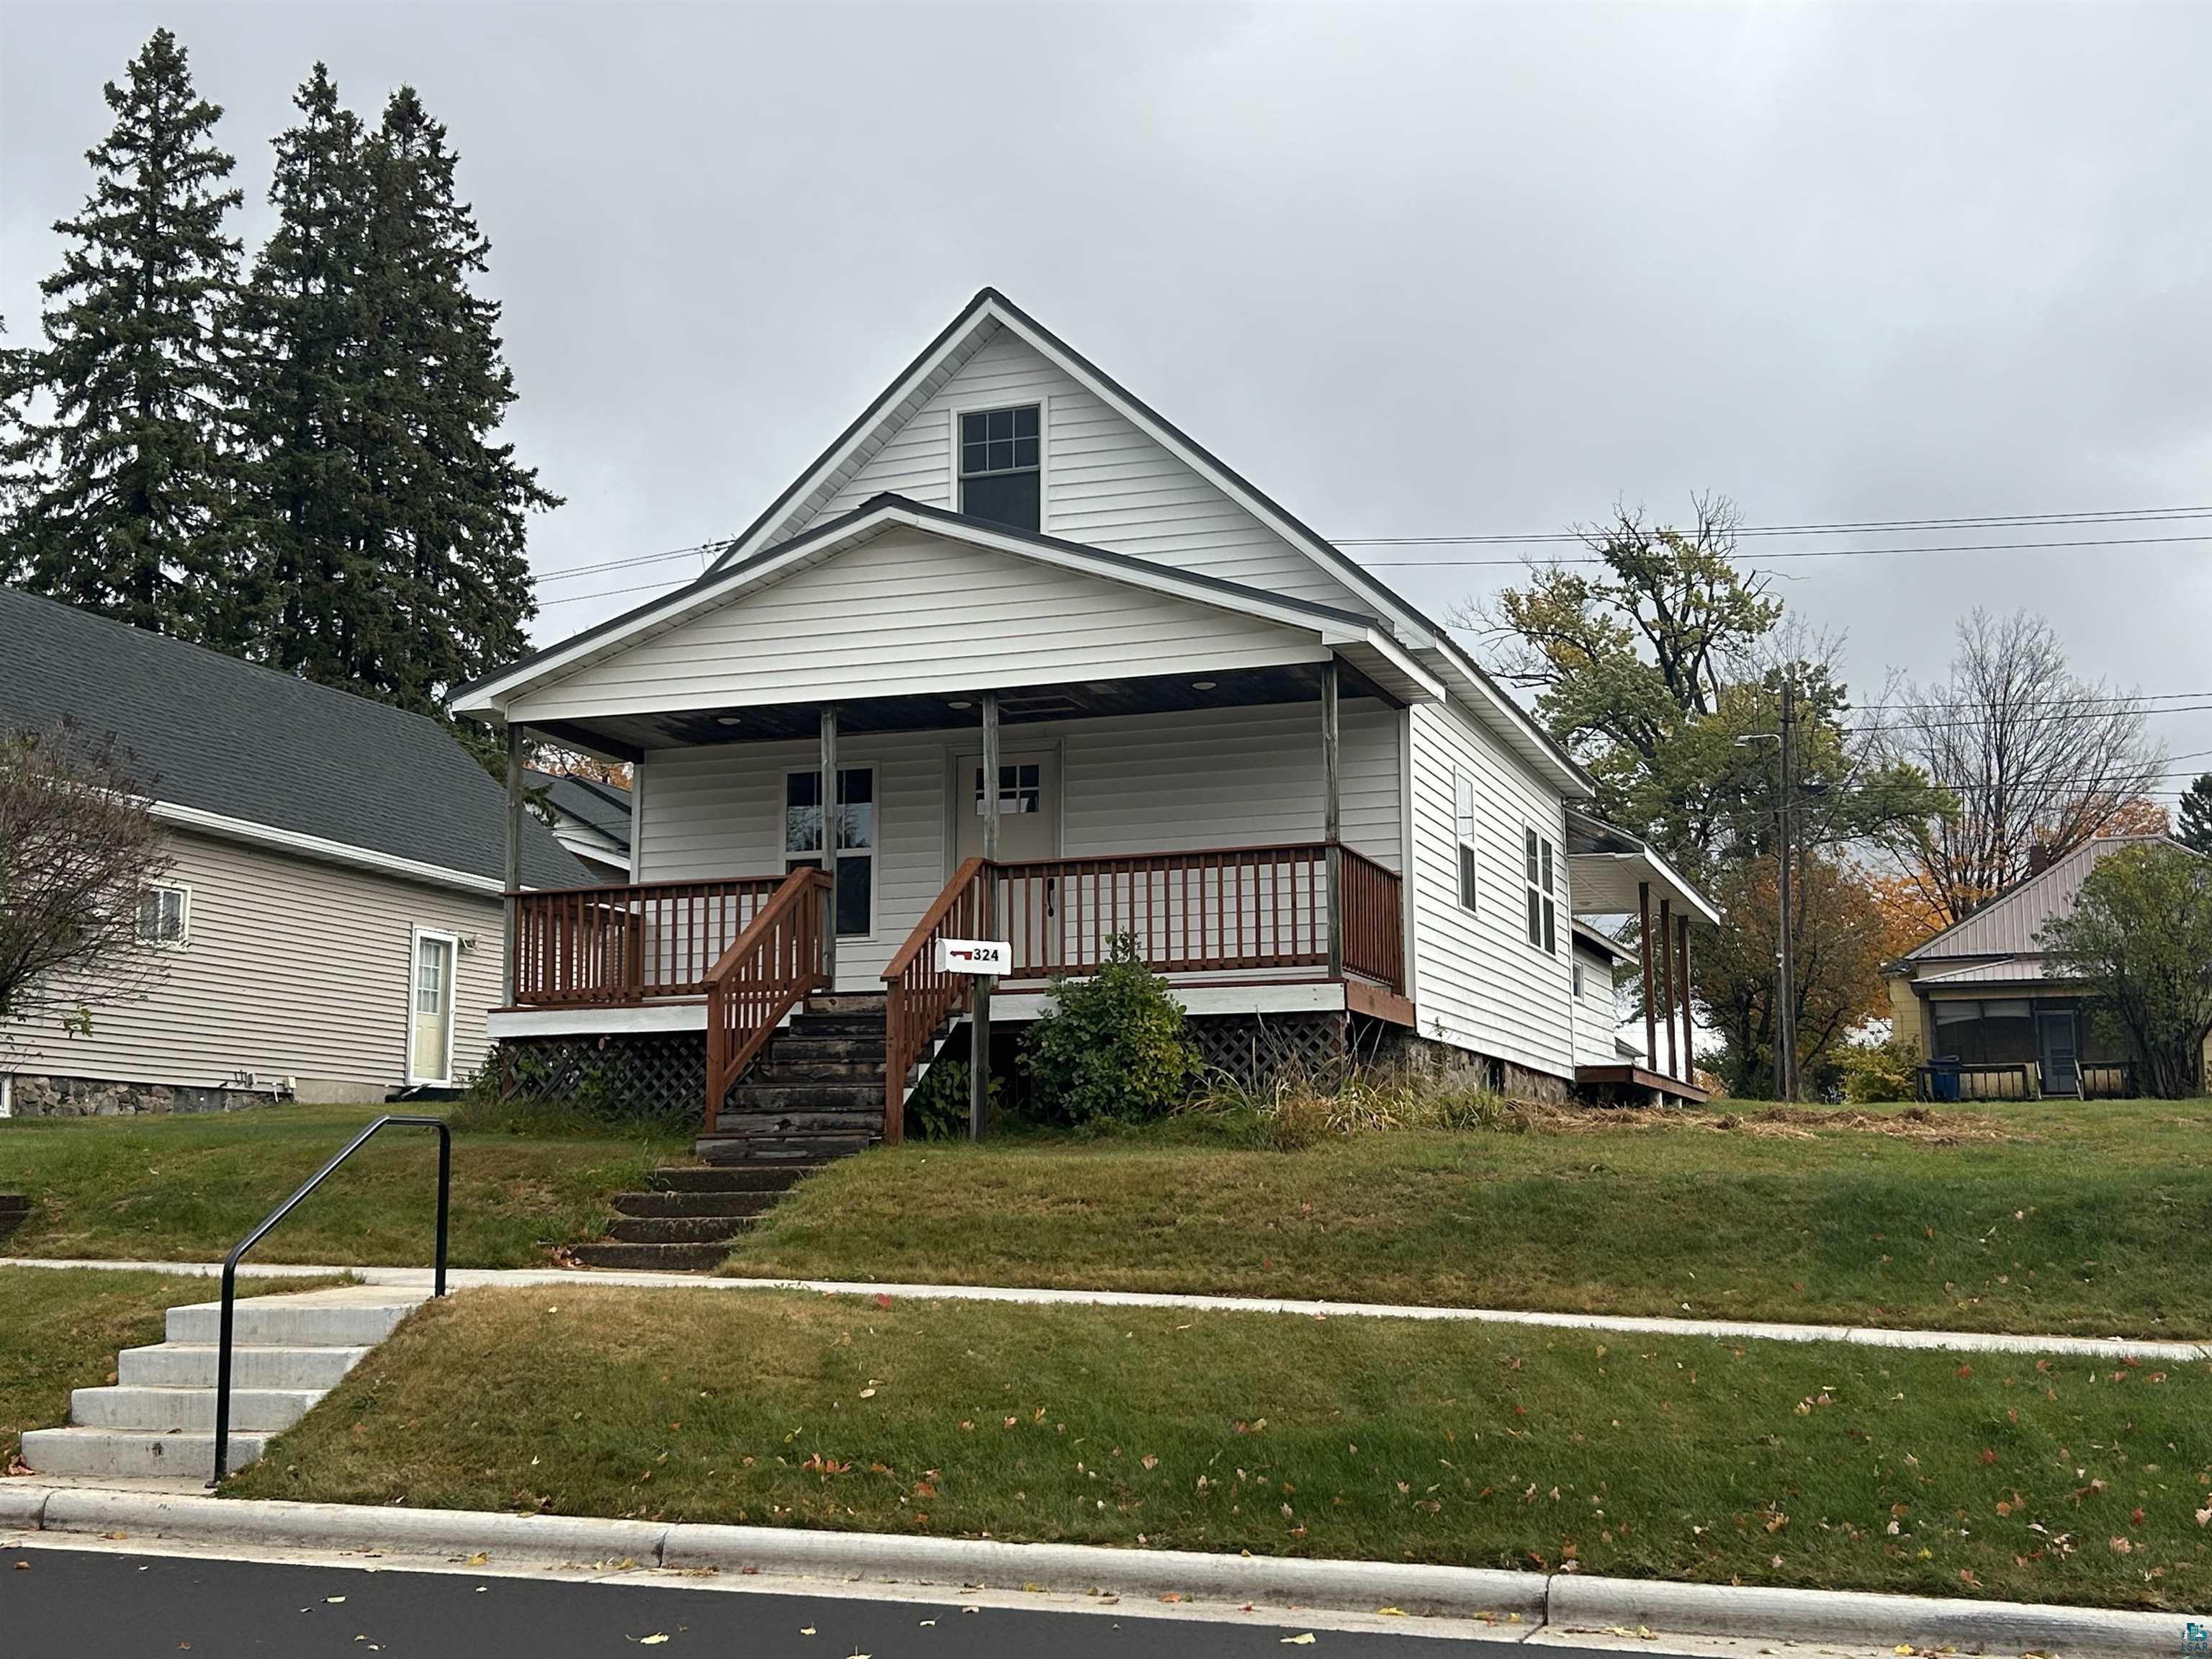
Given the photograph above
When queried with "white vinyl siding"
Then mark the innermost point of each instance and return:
(292, 968)
(908, 612)
(1597, 1011)
(1106, 484)
(1128, 784)
(1479, 984)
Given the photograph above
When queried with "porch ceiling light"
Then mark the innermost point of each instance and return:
(1203, 685)
(729, 719)
(960, 702)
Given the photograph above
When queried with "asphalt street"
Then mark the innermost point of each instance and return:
(111, 1605)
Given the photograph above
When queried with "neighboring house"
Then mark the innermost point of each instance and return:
(1990, 1021)
(330, 927)
(1012, 610)
(588, 818)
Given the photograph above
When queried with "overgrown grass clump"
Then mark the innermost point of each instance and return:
(1773, 1463)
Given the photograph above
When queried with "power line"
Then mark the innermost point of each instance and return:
(1882, 527)
(1755, 559)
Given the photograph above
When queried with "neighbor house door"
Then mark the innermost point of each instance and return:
(430, 1051)
(1029, 807)
(2062, 1070)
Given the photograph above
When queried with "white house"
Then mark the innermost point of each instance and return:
(1207, 728)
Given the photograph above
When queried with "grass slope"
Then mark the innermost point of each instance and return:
(1776, 1463)
(61, 1328)
(188, 1188)
(2064, 1217)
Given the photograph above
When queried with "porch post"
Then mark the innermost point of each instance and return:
(830, 826)
(1689, 1055)
(513, 872)
(1332, 818)
(1643, 944)
(979, 1031)
(1666, 974)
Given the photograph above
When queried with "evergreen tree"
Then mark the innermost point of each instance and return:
(2195, 830)
(130, 512)
(445, 527)
(311, 590)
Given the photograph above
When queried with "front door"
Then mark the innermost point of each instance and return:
(2062, 1072)
(431, 1053)
(1029, 807)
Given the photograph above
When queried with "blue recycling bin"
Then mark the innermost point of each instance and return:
(1943, 1079)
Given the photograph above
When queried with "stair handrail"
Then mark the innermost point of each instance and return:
(389, 1120)
(919, 996)
(771, 966)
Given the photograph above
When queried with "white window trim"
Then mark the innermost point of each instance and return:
(184, 938)
(983, 406)
(1534, 884)
(1465, 840)
(829, 857)
(415, 936)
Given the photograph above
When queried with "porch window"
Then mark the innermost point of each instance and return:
(1463, 828)
(1001, 478)
(1021, 788)
(856, 840)
(1537, 856)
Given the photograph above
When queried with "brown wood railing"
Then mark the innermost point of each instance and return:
(765, 973)
(919, 996)
(582, 945)
(1227, 909)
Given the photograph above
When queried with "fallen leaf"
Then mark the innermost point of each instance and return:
(1306, 1640)
(653, 1641)
(480, 1557)
(334, 1599)
(806, 1630)
(882, 1301)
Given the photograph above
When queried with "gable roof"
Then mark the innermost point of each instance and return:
(224, 744)
(2008, 924)
(990, 312)
(597, 805)
(1388, 660)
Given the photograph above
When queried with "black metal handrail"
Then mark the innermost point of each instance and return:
(230, 1262)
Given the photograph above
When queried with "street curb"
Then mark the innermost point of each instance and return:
(1562, 1600)
(1855, 1617)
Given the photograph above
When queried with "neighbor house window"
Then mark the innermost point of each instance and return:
(1537, 856)
(164, 915)
(1001, 478)
(1463, 831)
(1578, 979)
(856, 840)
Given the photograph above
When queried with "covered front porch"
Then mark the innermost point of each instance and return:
(1242, 828)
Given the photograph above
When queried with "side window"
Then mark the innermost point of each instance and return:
(1538, 857)
(1463, 832)
(164, 915)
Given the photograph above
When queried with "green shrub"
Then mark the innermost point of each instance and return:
(1112, 1046)
(938, 1107)
(1876, 1072)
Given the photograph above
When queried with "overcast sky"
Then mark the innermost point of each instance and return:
(1419, 270)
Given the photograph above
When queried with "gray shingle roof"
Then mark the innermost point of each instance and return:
(600, 805)
(2007, 924)
(209, 732)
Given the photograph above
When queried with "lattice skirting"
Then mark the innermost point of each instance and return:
(620, 1074)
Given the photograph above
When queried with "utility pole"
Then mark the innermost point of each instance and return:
(1785, 1013)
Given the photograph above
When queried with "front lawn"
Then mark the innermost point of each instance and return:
(1779, 1463)
(61, 1328)
(186, 1188)
(2059, 1217)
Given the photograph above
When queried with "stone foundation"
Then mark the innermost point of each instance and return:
(92, 1096)
(1443, 1062)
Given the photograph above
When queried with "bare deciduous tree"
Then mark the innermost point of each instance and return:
(2036, 756)
(78, 850)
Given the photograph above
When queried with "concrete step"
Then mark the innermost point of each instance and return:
(859, 1099)
(189, 1455)
(268, 1410)
(676, 1229)
(726, 1205)
(822, 1046)
(788, 1071)
(846, 1002)
(354, 1316)
(192, 1365)
(860, 1027)
(653, 1258)
(772, 1179)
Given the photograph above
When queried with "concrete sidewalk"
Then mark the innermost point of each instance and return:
(418, 1278)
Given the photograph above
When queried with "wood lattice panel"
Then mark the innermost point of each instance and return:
(1254, 1049)
(647, 1074)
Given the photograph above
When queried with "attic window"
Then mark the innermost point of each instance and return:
(1000, 477)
